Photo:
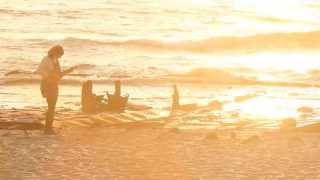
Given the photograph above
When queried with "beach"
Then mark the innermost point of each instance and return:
(241, 76)
(226, 138)
(119, 147)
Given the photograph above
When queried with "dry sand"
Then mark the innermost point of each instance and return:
(90, 148)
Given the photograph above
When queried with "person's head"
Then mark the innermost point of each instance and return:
(56, 51)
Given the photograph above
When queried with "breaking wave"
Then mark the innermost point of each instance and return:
(196, 76)
(260, 42)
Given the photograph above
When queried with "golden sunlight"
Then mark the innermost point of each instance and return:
(262, 108)
(159, 89)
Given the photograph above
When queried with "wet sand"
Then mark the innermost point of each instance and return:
(107, 147)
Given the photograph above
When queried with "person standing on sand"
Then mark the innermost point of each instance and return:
(51, 74)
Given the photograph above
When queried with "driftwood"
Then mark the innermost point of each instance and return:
(13, 125)
(17, 119)
(86, 97)
(116, 102)
(175, 98)
(92, 103)
(176, 106)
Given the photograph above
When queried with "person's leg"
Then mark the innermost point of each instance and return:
(52, 96)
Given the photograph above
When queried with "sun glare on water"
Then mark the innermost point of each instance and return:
(266, 108)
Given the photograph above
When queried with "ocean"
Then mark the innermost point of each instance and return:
(214, 50)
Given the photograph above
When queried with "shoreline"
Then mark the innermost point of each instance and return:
(167, 82)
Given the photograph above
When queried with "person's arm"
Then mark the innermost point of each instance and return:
(55, 77)
(68, 71)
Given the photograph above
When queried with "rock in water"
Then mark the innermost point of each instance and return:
(305, 109)
(288, 124)
(216, 105)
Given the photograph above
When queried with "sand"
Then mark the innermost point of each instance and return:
(114, 146)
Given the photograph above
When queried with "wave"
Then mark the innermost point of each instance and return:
(210, 75)
(260, 42)
(196, 76)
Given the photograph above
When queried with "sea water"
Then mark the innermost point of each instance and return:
(145, 42)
